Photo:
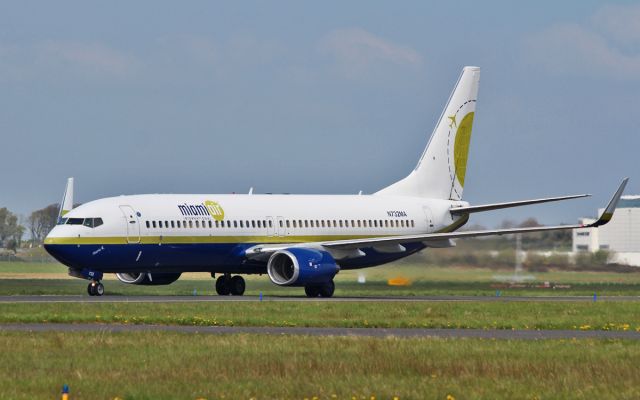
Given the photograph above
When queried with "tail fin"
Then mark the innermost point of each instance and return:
(441, 170)
(67, 199)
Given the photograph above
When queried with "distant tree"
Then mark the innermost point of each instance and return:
(507, 224)
(11, 231)
(529, 223)
(41, 222)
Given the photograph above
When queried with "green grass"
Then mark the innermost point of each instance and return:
(164, 365)
(343, 288)
(51, 278)
(610, 315)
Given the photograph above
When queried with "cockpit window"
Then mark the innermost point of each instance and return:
(88, 222)
(62, 221)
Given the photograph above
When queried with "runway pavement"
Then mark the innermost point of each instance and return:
(359, 332)
(188, 299)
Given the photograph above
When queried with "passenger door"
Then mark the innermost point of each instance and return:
(133, 224)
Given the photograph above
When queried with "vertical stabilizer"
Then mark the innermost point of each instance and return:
(441, 171)
(67, 200)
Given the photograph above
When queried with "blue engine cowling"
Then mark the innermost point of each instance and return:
(300, 267)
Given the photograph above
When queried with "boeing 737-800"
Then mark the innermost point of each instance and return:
(298, 240)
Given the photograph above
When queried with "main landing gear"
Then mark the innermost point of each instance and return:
(228, 285)
(95, 288)
(322, 290)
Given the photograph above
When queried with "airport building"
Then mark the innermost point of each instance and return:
(621, 235)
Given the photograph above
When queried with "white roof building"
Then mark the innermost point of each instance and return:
(620, 236)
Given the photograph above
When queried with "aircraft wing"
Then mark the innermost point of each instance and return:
(498, 206)
(353, 245)
(359, 243)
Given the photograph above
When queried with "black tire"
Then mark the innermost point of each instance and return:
(237, 285)
(223, 287)
(99, 288)
(91, 289)
(312, 290)
(327, 289)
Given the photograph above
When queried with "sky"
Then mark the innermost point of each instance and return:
(327, 97)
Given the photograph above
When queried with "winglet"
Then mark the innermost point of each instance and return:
(67, 199)
(607, 214)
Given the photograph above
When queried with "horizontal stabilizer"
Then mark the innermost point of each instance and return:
(498, 206)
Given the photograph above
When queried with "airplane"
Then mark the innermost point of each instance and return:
(297, 240)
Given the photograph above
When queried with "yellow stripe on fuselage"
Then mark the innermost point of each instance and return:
(201, 239)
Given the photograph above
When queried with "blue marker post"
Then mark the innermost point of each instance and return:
(195, 292)
(65, 392)
(595, 296)
(497, 293)
(260, 296)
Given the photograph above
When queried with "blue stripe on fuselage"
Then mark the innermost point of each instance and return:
(191, 257)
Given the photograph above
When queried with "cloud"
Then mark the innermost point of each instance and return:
(62, 58)
(358, 51)
(597, 47)
(91, 58)
(621, 22)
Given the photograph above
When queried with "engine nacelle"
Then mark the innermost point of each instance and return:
(299, 267)
(143, 278)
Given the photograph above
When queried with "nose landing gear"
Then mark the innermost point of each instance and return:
(228, 285)
(95, 288)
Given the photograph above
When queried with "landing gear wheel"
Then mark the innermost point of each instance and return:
(223, 286)
(312, 290)
(327, 289)
(95, 289)
(237, 285)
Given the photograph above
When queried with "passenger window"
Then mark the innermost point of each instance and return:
(253, 223)
(247, 224)
(178, 222)
(166, 224)
(271, 224)
(173, 224)
(402, 223)
(235, 224)
(148, 225)
(153, 223)
(340, 223)
(210, 224)
(228, 224)
(190, 224)
(306, 223)
(197, 224)
(386, 223)
(312, 224)
(413, 224)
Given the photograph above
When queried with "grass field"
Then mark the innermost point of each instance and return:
(38, 278)
(169, 366)
(610, 315)
(164, 365)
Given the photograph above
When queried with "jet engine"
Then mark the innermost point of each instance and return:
(300, 267)
(148, 279)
